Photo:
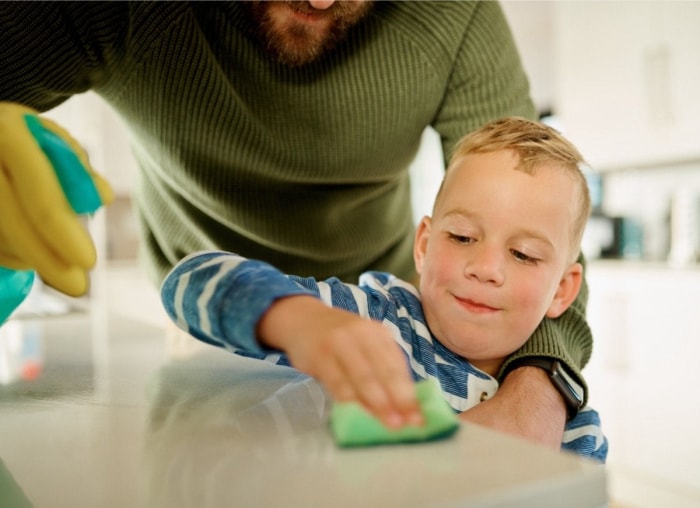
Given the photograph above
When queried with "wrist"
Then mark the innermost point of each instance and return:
(554, 382)
(277, 325)
(537, 387)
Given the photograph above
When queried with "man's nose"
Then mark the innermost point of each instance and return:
(485, 264)
(321, 4)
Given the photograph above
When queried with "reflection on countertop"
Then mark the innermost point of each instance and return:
(224, 428)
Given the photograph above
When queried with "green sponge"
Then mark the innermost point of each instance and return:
(352, 425)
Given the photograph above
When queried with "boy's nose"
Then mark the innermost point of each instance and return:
(485, 264)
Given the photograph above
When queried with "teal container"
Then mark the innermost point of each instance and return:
(15, 285)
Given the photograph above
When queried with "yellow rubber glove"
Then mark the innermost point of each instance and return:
(39, 230)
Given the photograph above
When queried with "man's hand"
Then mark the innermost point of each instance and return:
(354, 358)
(526, 405)
(39, 230)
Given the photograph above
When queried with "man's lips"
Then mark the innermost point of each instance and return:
(474, 306)
(309, 16)
(309, 13)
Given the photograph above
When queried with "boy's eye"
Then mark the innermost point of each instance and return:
(523, 257)
(461, 239)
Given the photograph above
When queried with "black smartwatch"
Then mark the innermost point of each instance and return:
(565, 384)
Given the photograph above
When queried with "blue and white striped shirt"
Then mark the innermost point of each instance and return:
(219, 297)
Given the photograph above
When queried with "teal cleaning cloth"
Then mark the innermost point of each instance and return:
(351, 425)
(75, 181)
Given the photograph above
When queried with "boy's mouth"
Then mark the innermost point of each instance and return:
(474, 306)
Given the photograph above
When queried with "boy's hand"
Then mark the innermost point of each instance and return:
(354, 358)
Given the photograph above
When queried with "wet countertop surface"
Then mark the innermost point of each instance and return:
(104, 407)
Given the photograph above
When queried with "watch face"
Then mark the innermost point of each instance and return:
(569, 387)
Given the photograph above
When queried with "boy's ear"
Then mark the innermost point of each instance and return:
(568, 289)
(420, 243)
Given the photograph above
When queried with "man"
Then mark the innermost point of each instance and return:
(282, 131)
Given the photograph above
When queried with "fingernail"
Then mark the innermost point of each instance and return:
(394, 420)
(416, 419)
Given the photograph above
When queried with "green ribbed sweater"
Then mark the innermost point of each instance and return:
(304, 168)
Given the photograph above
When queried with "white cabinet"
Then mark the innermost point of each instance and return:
(628, 80)
(643, 375)
(644, 317)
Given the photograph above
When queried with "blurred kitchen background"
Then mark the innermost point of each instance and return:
(622, 81)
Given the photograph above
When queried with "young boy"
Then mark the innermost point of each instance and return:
(497, 256)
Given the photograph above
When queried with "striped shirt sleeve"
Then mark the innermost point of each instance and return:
(216, 297)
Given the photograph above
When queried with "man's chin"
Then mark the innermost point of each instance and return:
(294, 45)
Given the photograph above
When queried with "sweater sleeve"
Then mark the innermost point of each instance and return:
(50, 51)
(219, 298)
(487, 81)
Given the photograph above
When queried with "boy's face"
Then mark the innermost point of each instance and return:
(495, 257)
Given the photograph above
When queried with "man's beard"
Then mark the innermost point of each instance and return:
(297, 44)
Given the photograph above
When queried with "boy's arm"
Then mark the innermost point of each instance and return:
(584, 436)
(249, 306)
(217, 297)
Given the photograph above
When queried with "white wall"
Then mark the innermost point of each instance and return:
(532, 26)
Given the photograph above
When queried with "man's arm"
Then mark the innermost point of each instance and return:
(526, 405)
(488, 80)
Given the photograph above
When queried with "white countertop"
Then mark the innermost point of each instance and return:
(117, 417)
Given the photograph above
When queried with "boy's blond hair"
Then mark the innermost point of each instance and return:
(534, 143)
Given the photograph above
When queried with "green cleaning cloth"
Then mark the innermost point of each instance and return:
(352, 425)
